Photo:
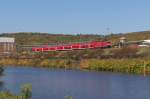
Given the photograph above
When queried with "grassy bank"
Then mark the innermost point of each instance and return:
(117, 65)
(26, 93)
(112, 65)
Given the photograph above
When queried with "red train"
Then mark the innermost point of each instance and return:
(73, 46)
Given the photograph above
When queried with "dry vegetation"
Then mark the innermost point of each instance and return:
(91, 59)
(26, 93)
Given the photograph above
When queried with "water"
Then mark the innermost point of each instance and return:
(56, 84)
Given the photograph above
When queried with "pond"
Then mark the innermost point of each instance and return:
(56, 84)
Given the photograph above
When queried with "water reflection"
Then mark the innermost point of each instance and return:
(1, 85)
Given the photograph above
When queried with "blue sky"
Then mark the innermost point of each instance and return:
(74, 16)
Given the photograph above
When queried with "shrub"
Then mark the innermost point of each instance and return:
(125, 52)
(25, 94)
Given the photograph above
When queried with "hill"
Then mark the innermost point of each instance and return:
(45, 38)
(133, 36)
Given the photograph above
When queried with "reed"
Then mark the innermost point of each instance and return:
(113, 65)
(26, 93)
(116, 65)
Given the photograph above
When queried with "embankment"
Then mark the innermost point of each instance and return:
(112, 65)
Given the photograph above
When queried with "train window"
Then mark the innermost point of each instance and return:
(67, 47)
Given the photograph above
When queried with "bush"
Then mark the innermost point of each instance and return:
(26, 93)
(116, 65)
(125, 52)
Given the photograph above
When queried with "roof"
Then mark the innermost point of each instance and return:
(123, 38)
(7, 39)
(147, 41)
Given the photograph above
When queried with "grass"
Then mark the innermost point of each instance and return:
(26, 93)
(113, 65)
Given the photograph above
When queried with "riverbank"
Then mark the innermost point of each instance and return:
(113, 65)
(26, 93)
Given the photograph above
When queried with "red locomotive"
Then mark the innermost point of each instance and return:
(73, 46)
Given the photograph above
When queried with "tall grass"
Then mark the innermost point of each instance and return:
(26, 93)
(114, 65)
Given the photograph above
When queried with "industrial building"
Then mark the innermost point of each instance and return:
(7, 45)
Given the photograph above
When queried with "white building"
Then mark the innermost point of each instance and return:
(7, 45)
(145, 43)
